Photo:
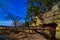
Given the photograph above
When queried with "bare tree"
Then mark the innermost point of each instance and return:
(15, 19)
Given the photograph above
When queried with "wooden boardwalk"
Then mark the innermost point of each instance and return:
(31, 29)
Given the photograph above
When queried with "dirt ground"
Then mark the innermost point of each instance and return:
(25, 36)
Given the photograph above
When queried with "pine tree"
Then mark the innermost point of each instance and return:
(38, 7)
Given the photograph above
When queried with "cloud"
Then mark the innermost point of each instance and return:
(6, 23)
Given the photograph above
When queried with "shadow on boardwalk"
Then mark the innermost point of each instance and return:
(45, 35)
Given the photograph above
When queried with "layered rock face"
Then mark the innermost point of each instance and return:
(53, 16)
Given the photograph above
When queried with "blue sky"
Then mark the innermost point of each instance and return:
(16, 7)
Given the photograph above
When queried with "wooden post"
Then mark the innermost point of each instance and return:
(53, 31)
